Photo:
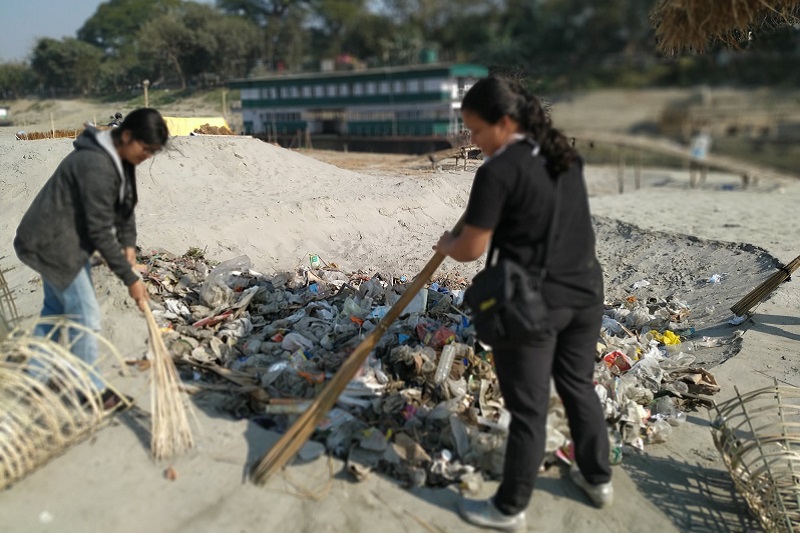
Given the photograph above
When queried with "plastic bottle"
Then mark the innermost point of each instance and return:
(446, 359)
(615, 449)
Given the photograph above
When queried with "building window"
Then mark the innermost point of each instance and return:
(398, 87)
(319, 91)
(284, 92)
(413, 86)
(432, 85)
(294, 91)
(273, 93)
(306, 91)
(383, 88)
(332, 90)
(344, 89)
(358, 89)
(371, 87)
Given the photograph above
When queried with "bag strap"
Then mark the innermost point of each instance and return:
(491, 258)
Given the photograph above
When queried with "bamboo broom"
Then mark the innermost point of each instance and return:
(760, 293)
(297, 435)
(171, 433)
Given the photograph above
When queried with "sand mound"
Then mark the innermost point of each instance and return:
(238, 195)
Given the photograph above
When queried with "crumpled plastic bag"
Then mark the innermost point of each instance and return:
(216, 291)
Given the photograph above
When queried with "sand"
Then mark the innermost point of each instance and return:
(234, 195)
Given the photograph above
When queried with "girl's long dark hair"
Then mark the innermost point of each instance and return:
(497, 96)
(146, 125)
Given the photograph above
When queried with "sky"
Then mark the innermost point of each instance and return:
(22, 22)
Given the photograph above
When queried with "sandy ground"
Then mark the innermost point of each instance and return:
(233, 196)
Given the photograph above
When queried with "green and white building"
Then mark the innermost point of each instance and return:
(414, 101)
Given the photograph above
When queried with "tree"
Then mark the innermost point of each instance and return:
(285, 42)
(334, 19)
(239, 47)
(167, 40)
(363, 38)
(66, 66)
(116, 22)
(16, 80)
(199, 43)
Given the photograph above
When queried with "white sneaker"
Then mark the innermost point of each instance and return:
(601, 495)
(484, 513)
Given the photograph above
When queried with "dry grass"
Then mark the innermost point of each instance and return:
(692, 24)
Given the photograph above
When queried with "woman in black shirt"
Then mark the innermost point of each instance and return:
(511, 205)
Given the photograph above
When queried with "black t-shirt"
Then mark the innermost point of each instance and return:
(514, 196)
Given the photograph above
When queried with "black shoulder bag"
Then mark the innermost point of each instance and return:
(505, 298)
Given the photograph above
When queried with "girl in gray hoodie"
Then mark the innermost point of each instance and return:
(87, 205)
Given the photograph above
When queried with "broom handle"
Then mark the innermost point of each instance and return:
(294, 438)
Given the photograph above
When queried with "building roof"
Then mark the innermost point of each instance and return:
(432, 69)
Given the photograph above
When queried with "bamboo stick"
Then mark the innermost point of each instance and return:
(297, 435)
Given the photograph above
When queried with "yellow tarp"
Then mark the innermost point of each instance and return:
(186, 125)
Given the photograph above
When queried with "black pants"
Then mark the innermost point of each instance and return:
(523, 372)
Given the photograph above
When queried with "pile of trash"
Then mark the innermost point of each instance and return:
(426, 407)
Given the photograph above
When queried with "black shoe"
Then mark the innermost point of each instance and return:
(114, 402)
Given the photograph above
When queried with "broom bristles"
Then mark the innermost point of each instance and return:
(760, 293)
(171, 432)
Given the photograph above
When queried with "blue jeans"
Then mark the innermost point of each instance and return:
(78, 303)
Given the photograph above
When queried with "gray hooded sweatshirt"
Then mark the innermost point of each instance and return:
(86, 206)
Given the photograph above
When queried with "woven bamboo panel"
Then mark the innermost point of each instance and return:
(758, 435)
(47, 399)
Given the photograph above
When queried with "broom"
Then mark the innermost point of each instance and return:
(760, 293)
(171, 433)
(297, 435)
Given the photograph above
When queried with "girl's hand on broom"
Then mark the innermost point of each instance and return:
(138, 292)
